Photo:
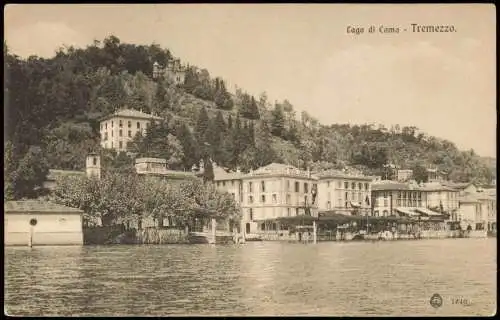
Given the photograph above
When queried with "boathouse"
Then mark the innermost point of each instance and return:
(34, 222)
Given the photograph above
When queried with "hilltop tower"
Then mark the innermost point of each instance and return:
(93, 165)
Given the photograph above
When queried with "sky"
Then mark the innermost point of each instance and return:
(442, 83)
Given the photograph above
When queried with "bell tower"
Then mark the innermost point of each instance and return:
(93, 165)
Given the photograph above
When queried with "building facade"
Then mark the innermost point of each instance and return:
(34, 222)
(404, 175)
(392, 198)
(344, 193)
(270, 192)
(173, 72)
(119, 128)
(156, 167)
(229, 182)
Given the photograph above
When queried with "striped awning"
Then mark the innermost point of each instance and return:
(407, 211)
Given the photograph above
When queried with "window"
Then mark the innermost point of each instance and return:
(346, 185)
(366, 186)
(129, 124)
(250, 214)
(232, 183)
(328, 184)
(296, 211)
(346, 196)
(138, 125)
(223, 183)
(288, 213)
(111, 133)
(353, 185)
(274, 198)
(250, 199)
(94, 161)
(263, 186)
(360, 186)
(288, 199)
(120, 145)
(130, 134)
(305, 200)
(288, 185)
(112, 124)
(105, 136)
(306, 187)
(250, 187)
(328, 205)
(297, 186)
(106, 125)
(120, 133)
(120, 124)
(339, 184)
(263, 199)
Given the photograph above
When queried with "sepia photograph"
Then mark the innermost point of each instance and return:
(250, 160)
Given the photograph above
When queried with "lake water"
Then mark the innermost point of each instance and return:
(257, 278)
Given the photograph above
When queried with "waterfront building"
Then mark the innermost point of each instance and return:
(120, 127)
(274, 191)
(34, 222)
(391, 198)
(478, 209)
(404, 175)
(345, 193)
(229, 182)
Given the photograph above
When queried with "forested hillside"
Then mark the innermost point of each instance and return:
(52, 107)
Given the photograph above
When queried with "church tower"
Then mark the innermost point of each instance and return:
(93, 165)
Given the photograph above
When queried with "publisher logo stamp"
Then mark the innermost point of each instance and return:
(436, 301)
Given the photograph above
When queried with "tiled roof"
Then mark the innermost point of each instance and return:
(131, 113)
(221, 174)
(457, 185)
(387, 185)
(280, 169)
(341, 174)
(27, 206)
(150, 160)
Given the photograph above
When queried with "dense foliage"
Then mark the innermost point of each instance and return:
(121, 198)
(54, 104)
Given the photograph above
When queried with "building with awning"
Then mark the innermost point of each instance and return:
(431, 214)
(391, 197)
(409, 212)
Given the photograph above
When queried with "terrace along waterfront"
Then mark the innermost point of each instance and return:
(258, 278)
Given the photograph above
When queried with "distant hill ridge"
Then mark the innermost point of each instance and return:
(56, 103)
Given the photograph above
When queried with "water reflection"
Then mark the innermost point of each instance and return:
(266, 278)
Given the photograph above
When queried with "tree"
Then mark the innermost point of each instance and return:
(201, 126)
(191, 155)
(420, 173)
(24, 179)
(278, 121)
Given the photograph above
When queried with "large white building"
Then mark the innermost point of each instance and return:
(273, 191)
(391, 198)
(343, 192)
(120, 127)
